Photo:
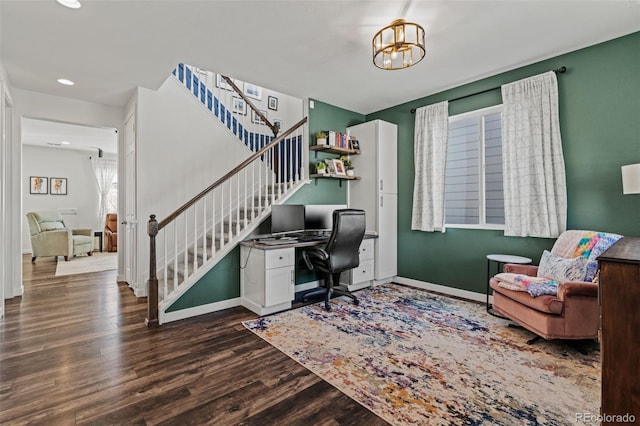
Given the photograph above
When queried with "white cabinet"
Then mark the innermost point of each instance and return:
(362, 275)
(377, 191)
(267, 281)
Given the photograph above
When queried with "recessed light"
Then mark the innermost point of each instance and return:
(72, 4)
(65, 143)
(65, 82)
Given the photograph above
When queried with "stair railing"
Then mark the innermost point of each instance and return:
(207, 225)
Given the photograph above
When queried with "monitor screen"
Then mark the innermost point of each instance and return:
(287, 218)
(319, 217)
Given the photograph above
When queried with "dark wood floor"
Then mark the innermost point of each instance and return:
(74, 350)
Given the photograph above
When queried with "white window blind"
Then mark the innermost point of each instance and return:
(473, 177)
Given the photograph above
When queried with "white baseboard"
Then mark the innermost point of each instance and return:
(451, 291)
(198, 310)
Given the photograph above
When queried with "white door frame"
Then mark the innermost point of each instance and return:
(130, 221)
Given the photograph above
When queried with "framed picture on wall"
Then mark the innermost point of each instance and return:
(58, 186)
(255, 118)
(239, 106)
(253, 91)
(272, 103)
(222, 83)
(38, 185)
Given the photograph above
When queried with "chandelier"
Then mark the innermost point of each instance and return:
(399, 45)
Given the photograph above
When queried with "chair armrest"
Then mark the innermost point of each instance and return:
(82, 231)
(311, 254)
(514, 268)
(577, 288)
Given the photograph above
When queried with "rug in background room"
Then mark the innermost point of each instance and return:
(413, 357)
(97, 262)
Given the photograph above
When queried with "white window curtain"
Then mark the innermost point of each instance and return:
(535, 192)
(105, 170)
(430, 153)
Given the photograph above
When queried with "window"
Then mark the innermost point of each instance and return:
(473, 179)
(112, 196)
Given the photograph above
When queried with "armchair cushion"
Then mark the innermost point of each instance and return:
(560, 269)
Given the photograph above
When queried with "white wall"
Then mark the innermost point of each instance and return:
(181, 150)
(82, 189)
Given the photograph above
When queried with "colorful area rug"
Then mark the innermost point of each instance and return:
(413, 357)
(84, 264)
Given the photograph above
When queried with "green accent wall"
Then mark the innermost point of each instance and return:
(223, 281)
(599, 100)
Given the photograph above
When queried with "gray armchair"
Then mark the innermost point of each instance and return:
(49, 236)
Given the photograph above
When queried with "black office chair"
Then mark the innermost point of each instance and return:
(339, 255)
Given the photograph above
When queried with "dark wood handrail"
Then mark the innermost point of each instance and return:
(164, 222)
(275, 129)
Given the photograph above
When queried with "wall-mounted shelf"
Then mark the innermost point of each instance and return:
(339, 177)
(333, 150)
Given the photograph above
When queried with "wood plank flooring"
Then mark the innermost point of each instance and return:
(74, 350)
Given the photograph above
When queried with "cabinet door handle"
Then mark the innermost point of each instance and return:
(381, 184)
(381, 202)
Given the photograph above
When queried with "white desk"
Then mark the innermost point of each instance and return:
(267, 273)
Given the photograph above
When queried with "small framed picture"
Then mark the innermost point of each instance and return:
(278, 123)
(338, 165)
(58, 186)
(354, 144)
(38, 185)
(253, 91)
(239, 106)
(255, 118)
(331, 169)
(272, 103)
(222, 83)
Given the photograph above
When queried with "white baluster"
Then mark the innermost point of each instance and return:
(238, 204)
(221, 216)
(186, 252)
(195, 237)
(204, 230)
(245, 202)
(164, 261)
(175, 253)
(230, 212)
(253, 190)
(213, 223)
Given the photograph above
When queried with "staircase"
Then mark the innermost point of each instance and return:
(185, 245)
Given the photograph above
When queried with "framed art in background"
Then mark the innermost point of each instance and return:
(58, 186)
(253, 91)
(38, 185)
(255, 118)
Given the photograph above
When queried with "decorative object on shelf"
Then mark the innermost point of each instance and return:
(58, 186)
(253, 91)
(348, 165)
(338, 167)
(38, 185)
(321, 138)
(321, 167)
(272, 103)
(239, 106)
(354, 144)
(399, 45)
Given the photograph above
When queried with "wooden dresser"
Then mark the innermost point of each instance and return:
(620, 328)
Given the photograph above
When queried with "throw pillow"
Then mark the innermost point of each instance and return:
(560, 269)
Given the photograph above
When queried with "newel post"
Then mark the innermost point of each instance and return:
(152, 283)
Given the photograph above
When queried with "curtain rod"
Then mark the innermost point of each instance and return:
(560, 70)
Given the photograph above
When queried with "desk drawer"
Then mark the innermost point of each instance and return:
(364, 272)
(278, 258)
(366, 249)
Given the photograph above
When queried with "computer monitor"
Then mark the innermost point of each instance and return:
(319, 217)
(287, 218)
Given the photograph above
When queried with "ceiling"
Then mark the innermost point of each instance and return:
(53, 135)
(307, 48)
